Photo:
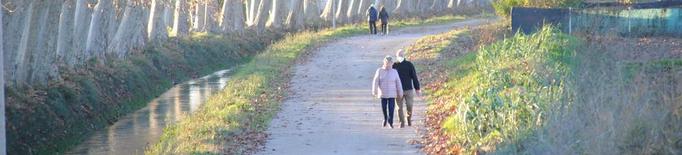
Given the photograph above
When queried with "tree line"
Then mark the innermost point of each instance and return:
(42, 36)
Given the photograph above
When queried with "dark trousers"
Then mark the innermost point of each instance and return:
(372, 27)
(384, 27)
(388, 106)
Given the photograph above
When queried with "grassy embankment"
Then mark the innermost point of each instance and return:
(505, 94)
(483, 91)
(52, 119)
(625, 97)
(549, 93)
(233, 121)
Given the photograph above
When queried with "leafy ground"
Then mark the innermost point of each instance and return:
(233, 121)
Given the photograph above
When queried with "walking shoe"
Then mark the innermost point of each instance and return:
(402, 125)
(385, 123)
(409, 122)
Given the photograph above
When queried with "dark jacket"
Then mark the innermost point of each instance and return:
(372, 14)
(408, 75)
(383, 15)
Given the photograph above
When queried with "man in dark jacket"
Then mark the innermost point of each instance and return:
(372, 13)
(408, 78)
(383, 15)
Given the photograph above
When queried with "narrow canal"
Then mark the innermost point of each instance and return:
(132, 133)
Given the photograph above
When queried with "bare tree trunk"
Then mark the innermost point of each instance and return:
(388, 4)
(252, 12)
(452, 4)
(341, 11)
(247, 12)
(200, 16)
(312, 13)
(64, 36)
(433, 8)
(15, 27)
(52, 68)
(131, 32)
(120, 6)
(226, 15)
(438, 5)
(352, 12)
(181, 22)
(238, 16)
(278, 14)
(20, 64)
(423, 6)
(212, 16)
(156, 28)
(262, 15)
(37, 45)
(232, 16)
(295, 19)
(328, 12)
(405, 8)
(102, 27)
(434, 5)
(363, 8)
(43, 38)
(168, 13)
(81, 24)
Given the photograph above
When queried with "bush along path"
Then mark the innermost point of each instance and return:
(233, 121)
(482, 97)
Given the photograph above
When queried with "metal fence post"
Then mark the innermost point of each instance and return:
(629, 21)
(570, 20)
(333, 14)
(3, 136)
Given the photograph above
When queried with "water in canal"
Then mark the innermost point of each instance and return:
(132, 133)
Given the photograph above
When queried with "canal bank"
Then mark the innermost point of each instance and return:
(133, 132)
(55, 118)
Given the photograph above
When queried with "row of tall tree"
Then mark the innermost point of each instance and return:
(42, 36)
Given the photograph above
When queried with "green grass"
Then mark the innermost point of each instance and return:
(247, 103)
(501, 92)
(428, 21)
(632, 69)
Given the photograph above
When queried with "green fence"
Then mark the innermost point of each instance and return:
(625, 22)
(628, 22)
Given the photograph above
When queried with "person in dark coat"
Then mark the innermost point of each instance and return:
(383, 15)
(372, 13)
(410, 85)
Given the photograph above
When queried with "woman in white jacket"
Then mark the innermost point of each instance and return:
(387, 86)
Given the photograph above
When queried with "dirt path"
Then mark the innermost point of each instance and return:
(331, 110)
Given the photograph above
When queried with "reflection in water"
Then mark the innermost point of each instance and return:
(133, 132)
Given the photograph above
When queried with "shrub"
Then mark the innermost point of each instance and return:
(505, 94)
(504, 7)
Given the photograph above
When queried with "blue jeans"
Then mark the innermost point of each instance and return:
(388, 106)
